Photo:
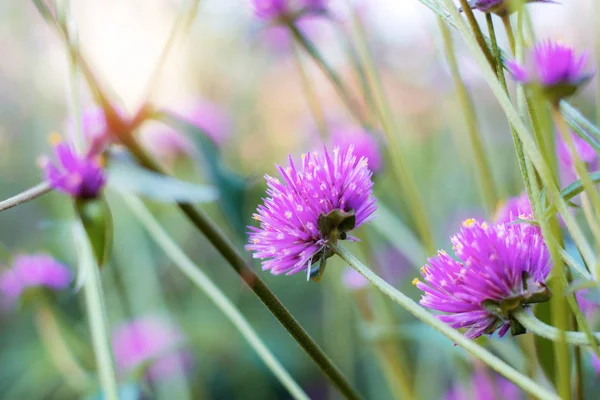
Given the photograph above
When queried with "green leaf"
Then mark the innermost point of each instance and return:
(96, 218)
(133, 179)
(544, 348)
(232, 187)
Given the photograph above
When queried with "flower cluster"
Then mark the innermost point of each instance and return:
(296, 219)
(499, 268)
(150, 342)
(553, 67)
(34, 271)
(78, 176)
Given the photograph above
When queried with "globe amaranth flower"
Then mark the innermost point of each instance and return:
(273, 9)
(166, 143)
(499, 269)
(553, 67)
(485, 385)
(585, 152)
(212, 119)
(517, 207)
(365, 144)
(34, 271)
(500, 7)
(78, 176)
(153, 343)
(353, 280)
(314, 205)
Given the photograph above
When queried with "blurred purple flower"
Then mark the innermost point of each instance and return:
(150, 342)
(497, 263)
(32, 271)
(514, 208)
(212, 119)
(596, 363)
(484, 386)
(75, 175)
(289, 235)
(588, 307)
(95, 129)
(166, 143)
(554, 67)
(353, 280)
(500, 7)
(586, 153)
(365, 144)
(272, 9)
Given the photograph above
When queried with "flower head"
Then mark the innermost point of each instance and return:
(78, 176)
(514, 208)
(485, 385)
(166, 143)
(151, 342)
(329, 195)
(365, 144)
(584, 150)
(554, 67)
(212, 119)
(353, 280)
(500, 7)
(499, 268)
(33, 271)
(272, 9)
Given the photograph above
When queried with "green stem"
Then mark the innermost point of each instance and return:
(409, 305)
(224, 246)
(483, 170)
(399, 166)
(531, 323)
(92, 288)
(476, 30)
(509, 33)
(337, 82)
(192, 271)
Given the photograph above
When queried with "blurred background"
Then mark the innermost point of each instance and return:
(247, 77)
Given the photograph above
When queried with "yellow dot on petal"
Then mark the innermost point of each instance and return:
(442, 253)
(415, 281)
(303, 156)
(255, 240)
(423, 270)
(54, 138)
(256, 217)
(484, 225)
(469, 222)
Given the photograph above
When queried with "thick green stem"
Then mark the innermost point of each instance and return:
(483, 170)
(96, 313)
(409, 305)
(476, 31)
(187, 266)
(224, 246)
(544, 330)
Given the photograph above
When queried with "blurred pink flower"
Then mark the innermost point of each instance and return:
(365, 144)
(485, 385)
(586, 153)
(596, 363)
(209, 117)
(353, 280)
(166, 143)
(512, 209)
(150, 342)
(33, 271)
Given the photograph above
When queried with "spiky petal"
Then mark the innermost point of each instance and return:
(514, 208)
(493, 263)
(289, 238)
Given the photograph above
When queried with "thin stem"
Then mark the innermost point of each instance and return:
(509, 33)
(192, 271)
(30, 194)
(531, 323)
(311, 96)
(58, 350)
(476, 30)
(337, 82)
(224, 246)
(399, 165)
(409, 305)
(483, 170)
(92, 288)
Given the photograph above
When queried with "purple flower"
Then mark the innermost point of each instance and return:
(586, 153)
(166, 143)
(485, 385)
(554, 67)
(596, 363)
(499, 267)
(514, 208)
(353, 280)
(150, 342)
(78, 176)
(32, 271)
(213, 120)
(95, 129)
(500, 7)
(315, 204)
(273, 9)
(365, 144)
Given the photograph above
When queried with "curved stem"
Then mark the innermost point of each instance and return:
(28, 195)
(187, 266)
(546, 331)
(96, 314)
(409, 305)
(224, 246)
